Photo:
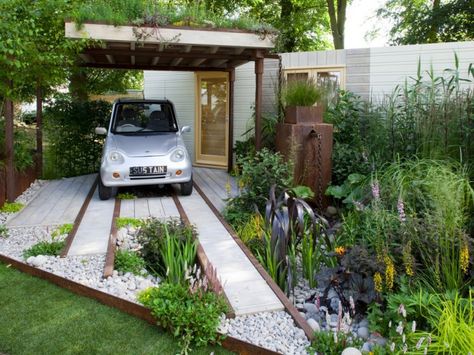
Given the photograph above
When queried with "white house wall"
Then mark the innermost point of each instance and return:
(179, 88)
(390, 66)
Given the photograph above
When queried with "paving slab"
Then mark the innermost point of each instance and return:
(243, 285)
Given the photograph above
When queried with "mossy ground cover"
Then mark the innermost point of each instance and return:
(37, 317)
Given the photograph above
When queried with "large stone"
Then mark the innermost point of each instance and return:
(351, 351)
(331, 211)
(363, 332)
(310, 307)
(314, 325)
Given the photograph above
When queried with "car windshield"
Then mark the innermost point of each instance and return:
(138, 117)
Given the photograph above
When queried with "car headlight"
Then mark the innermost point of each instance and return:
(178, 155)
(116, 157)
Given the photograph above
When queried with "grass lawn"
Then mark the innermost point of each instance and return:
(37, 317)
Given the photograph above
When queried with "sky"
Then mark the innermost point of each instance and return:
(360, 20)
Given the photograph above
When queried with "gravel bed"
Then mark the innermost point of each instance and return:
(272, 330)
(25, 197)
(19, 239)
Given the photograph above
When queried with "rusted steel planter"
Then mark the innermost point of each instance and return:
(304, 114)
(136, 310)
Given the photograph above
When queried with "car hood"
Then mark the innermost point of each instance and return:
(144, 145)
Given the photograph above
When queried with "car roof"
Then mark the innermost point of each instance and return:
(142, 101)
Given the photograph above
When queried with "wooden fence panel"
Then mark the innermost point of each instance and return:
(23, 180)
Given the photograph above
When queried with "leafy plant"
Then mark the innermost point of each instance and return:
(23, 146)
(45, 248)
(352, 190)
(259, 173)
(3, 231)
(126, 196)
(11, 207)
(333, 343)
(63, 229)
(122, 222)
(169, 248)
(73, 148)
(251, 232)
(129, 261)
(300, 93)
(194, 317)
(287, 219)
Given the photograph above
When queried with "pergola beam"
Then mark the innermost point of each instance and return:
(110, 58)
(149, 67)
(197, 62)
(155, 60)
(176, 61)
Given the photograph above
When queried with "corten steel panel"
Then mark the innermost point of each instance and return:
(297, 142)
(304, 114)
(23, 180)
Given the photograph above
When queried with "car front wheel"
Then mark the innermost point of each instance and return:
(187, 187)
(104, 192)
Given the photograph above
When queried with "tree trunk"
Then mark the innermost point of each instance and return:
(432, 35)
(337, 17)
(78, 85)
(286, 14)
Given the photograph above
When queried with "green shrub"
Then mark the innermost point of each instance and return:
(3, 231)
(11, 207)
(129, 261)
(73, 147)
(23, 146)
(45, 248)
(259, 173)
(194, 317)
(62, 230)
(300, 93)
(169, 248)
(122, 222)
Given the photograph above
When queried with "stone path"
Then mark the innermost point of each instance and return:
(245, 288)
(159, 207)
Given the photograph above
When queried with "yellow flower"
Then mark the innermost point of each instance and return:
(378, 282)
(241, 184)
(389, 272)
(464, 258)
(408, 260)
(228, 187)
(340, 251)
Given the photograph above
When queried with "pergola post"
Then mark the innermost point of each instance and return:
(9, 167)
(258, 102)
(39, 129)
(230, 162)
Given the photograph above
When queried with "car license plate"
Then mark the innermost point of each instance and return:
(147, 170)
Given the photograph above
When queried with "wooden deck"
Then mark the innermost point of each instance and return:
(58, 202)
(217, 185)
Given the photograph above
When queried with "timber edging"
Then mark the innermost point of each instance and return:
(131, 308)
(289, 307)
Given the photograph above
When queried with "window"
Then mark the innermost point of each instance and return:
(332, 78)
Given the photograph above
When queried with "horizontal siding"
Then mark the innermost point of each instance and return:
(179, 88)
(313, 59)
(391, 66)
(358, 72)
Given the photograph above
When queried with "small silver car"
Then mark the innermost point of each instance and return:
(144, 146)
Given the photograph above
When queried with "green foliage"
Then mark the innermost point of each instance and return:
(309, 259)
(423, 21)
(3, 231)
(33, 49)
(122, 12)
(122, 222)
(64, 229)
(45, 248)
(193, 317)
(300, 93)
(251, 231)
(427, 117)
(303, 192)
(11, 207)
(129, 261)
(74, 149)
(23, 146)
(169, 248)
(333, 343)
(259, 173)
(351, 190)
(126, 196)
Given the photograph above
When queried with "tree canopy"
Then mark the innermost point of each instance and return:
(429, 21)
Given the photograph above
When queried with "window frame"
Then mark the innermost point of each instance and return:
(314, 70)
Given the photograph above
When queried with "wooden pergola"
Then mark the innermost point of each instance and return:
(162, 48)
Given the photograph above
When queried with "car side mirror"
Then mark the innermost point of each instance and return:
(185, 129)
(101, 130)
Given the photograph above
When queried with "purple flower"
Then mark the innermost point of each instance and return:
(375, 190)
(401, 210)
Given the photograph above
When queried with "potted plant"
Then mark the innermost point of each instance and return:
(298, 98)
